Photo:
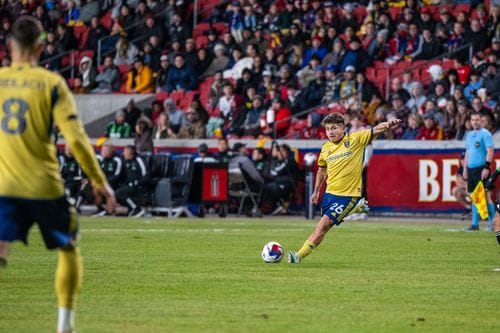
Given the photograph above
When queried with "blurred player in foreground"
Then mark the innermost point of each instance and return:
(341, 159)
(32, 99)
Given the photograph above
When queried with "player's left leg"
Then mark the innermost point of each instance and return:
(68, 284)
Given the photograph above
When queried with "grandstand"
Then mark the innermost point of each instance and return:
(360, 59)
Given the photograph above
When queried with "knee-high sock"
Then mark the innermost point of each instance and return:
(475, 216)
(68, 277)
(306, 249)
(491, 213)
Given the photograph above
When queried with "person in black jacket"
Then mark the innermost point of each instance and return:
(111, 164)
(71, 173)
(136, 176)
(282, 179)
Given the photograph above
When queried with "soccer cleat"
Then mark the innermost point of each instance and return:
(137, 212)
(293, 257)
(99, 212)
(472, 228)
(363, 205)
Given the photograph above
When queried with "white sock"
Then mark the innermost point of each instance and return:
(66, 320)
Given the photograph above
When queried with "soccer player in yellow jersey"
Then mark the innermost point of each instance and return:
(341, 159)
(32, 99)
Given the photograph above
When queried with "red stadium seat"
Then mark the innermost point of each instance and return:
(201, 41)
(200, 29)
(162, 96)
(177, 96)
(395, 13)
(379, 64)
(382, 73)
(81, 34)
(221, 27)
(106, 20)
(447, 64)
(463, 7)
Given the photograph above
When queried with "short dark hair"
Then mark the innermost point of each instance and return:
(334, 118)
(26, 31)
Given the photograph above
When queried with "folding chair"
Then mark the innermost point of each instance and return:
(239, 187)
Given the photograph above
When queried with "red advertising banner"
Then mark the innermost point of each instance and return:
(214, 183)
(413, 180)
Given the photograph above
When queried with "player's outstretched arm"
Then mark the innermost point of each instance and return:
(385, 126)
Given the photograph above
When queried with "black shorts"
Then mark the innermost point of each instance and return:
(56, 219)
(473, 178)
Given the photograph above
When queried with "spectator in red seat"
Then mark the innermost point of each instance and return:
(307, 74)
(400, 111)
(126, 17)
(151, 56)
(426, 20)
(217, 88)
(88, 74)
(181, 77)
(378, 49)
(356, 57)
(50, 53)
(413, 129)
(477, 36)
(251, 124)
(315, 49)
(334, 58)
(71, 14)
(417, 99)
(415, 43)
(204, 59)
(348, 84)
(108, 80)
(245, 82)
(77, 86)
(126, 52)
(178, 29)
(430, 47)
(258, 39)
(366, 88)
(193, 128)
(450, 119)
(430, 130)
(278, 114)
(132, 113)
(162, 74)
(140, 78)
(162, 130)
(65, 39)
(445, 20)
(213, 40)
(175, 116)
(96, 32)
(200, 111)
(157, 109)
(143, 139)
(312, 95)
(349, 19)
(190, 53)
(492, 80)
(219, 63)
(42, 16)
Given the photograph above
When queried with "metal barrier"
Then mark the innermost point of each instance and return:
(63, 70)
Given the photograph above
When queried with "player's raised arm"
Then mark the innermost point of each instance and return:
(385, 126)
(66, 118)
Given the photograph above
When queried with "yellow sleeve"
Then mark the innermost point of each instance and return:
(146, 79)
(66, 118)
(321, 159)
(130, 80)
(364, 137)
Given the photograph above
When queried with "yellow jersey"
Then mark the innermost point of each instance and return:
(32, 99)
(344, 163)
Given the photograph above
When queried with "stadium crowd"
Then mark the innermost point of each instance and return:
(249, 65)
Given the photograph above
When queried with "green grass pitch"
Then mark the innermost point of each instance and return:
(206, 275)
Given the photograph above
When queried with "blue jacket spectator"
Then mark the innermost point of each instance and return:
(356, 57)
(315, 49)
(181, 76)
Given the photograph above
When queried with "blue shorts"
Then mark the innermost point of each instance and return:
(337, 207)
(55, 218)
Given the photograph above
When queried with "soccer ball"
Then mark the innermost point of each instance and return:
(272, 252)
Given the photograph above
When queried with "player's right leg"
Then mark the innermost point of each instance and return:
(68, 283)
